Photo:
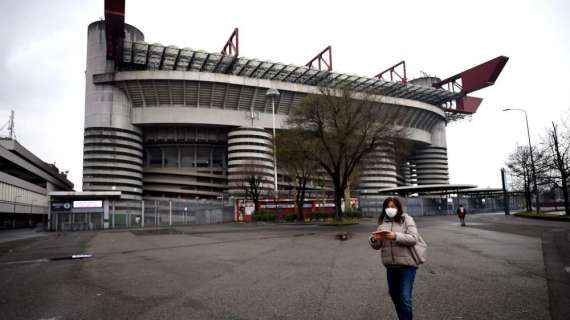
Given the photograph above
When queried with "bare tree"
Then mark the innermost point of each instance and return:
(557, 149)
(295, 154)
(343, 127)
(521, 171)
(520, 166)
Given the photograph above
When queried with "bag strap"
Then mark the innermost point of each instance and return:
(406, 222)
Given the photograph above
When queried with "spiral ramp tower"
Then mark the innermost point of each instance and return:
(407, 174)
(379, 169)
(430, 161)
(250, 154)
(431, 165)
(113, 149)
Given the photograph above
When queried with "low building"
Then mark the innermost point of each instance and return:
(78, 211)
(25, 181)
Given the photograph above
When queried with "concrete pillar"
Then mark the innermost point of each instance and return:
(431, 160)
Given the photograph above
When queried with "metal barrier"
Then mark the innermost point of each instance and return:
(143, 214)
(160, 212)
(371, 206)
(76, 222)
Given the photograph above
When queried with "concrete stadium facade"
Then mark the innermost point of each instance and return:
(181, 123)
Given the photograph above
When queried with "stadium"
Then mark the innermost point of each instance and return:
(170, 122)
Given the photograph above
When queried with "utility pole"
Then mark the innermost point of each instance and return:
(536, 191)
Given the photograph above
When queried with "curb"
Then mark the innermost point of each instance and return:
(551, 218)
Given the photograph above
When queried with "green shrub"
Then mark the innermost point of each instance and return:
(290, 217)
(353, 213)
(322, 215)
(327, 215)
(264, 216)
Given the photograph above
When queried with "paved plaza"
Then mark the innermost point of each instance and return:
(495, 268)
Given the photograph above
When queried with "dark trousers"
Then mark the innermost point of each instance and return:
(400, 285)
(462, 220)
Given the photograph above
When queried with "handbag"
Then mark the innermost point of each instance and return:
(419, 250)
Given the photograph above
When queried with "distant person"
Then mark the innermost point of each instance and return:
(395, 235)
(461, 214)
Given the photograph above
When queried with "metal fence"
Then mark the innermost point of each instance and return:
(142, 214)
(160, 212)
(78, 221)
(371, 206)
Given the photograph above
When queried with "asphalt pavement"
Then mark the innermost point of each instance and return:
(495, 268)
(20, 234)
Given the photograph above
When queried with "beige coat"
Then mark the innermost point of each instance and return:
(397, 252)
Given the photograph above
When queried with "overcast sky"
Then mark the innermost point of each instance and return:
(43, 46)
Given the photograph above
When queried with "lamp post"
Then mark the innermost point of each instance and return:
(531, 157)
(274, 93)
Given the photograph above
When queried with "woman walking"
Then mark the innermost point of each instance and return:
(461, 214)
(395, 236)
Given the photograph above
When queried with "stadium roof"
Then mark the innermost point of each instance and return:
(145, 56)
(139, 55)
(429, 188)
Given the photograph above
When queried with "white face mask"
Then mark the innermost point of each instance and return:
(391, 212)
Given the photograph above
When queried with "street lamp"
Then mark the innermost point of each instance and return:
(531, 157)
(273, 93)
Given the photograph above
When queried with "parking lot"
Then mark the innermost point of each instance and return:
(492, 269)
